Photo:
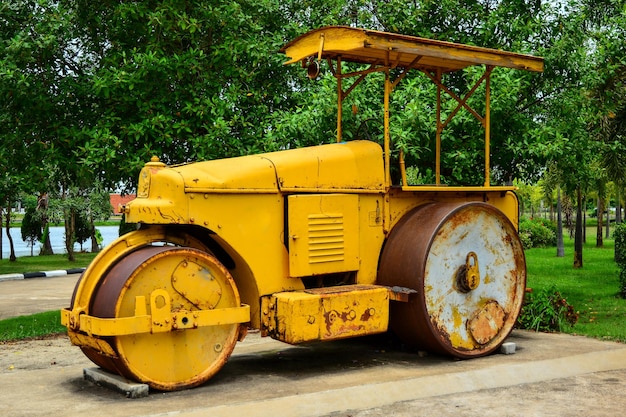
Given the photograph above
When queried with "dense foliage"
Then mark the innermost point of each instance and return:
(91, 90)
(546, 311)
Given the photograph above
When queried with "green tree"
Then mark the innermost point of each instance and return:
(568, 146)
(66, 207)
(42, 210)
(84, 229)
(607, 88)
(7, 193)
(42, 79)
(91, 90)
(182, 80)
(98, 209)
(31, 228)
(588, 107)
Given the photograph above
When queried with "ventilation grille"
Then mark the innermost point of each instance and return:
(326, 238)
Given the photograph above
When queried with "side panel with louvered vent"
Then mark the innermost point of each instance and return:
(323, 234)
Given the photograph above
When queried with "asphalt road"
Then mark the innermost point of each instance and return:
(549, 375)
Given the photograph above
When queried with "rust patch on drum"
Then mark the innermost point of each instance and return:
(487, 322)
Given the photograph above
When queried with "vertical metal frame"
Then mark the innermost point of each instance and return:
(340, 96)
(485, 120)
(436, 78)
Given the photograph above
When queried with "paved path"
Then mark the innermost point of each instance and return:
(549, 375)
(35, 295)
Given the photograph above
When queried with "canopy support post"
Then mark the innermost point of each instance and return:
(487, 122)
(339, 100)
(438, 132)
(387, 138)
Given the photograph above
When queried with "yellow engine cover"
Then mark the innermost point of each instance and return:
(328, 313)
(323, 234)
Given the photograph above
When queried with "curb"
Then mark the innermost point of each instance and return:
(46, 274)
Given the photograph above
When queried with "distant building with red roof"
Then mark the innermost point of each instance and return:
(118, 200)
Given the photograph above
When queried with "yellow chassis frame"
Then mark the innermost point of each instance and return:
(162, 320)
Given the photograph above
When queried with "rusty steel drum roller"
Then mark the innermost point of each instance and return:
(466, 263)
(169, 279)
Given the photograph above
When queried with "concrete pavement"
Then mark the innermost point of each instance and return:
(21, 297)
(549, 375)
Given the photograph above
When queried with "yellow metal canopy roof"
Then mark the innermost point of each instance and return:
(390, 49)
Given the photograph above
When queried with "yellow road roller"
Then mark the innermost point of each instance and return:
(310, 244)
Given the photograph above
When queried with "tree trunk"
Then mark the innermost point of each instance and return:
(618, 209)
(584, 220)
(560, 247)
(12, 256)
(47, 245)
(95, 247)
(578, 234)
(1, 232)
(42, 206)
(94, 242)
(608, 219)
(599, 242)
(70, 230)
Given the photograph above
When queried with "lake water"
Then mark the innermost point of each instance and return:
(57, 239)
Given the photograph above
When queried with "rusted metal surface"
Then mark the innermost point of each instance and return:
(467, 265)
(328, 313)
(487, 322)
(400, 294)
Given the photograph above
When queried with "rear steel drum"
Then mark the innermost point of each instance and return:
(466, 263)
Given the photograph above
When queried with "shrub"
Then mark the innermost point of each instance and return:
(527, 242)
(546, 311)
(622, 282)
(537, 233)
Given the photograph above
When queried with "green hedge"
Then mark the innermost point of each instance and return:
(537, 233)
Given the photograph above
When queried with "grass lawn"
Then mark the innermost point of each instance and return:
(35, 325)
(40, 324)
(44, 263)
(591, 290)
